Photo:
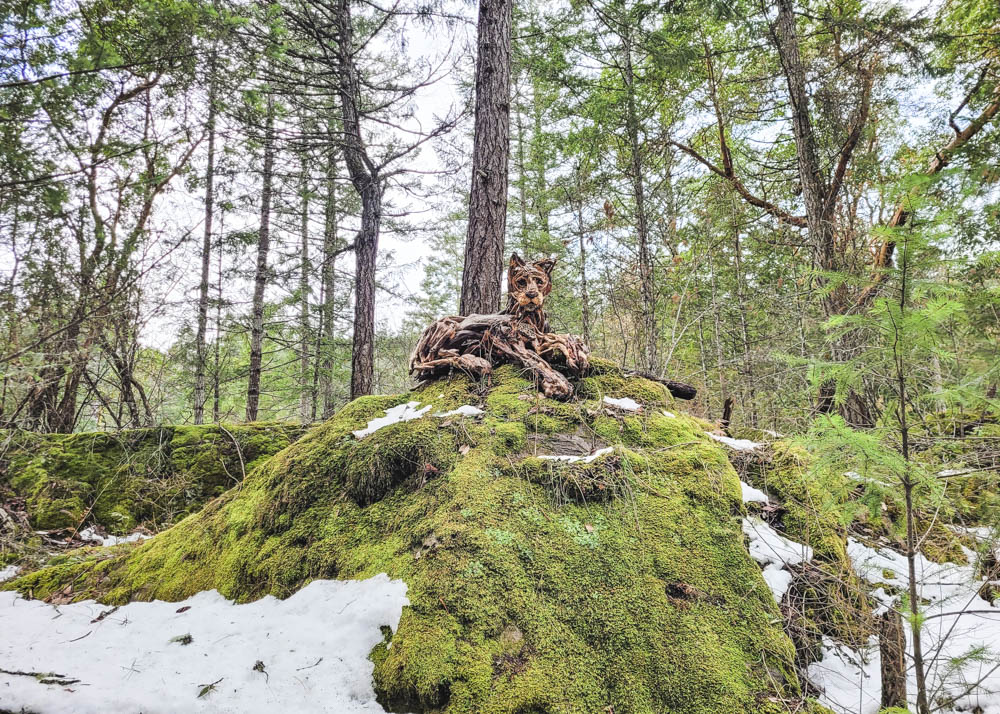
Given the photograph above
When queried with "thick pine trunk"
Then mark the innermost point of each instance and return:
(260, 276)
(484, 243)
(206, 254)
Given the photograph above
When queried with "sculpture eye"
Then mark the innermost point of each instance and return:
(521, 282)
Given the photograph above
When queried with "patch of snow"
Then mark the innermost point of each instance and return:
(669, 414)
(957, 621)
(854, 476)
(574, 459)
(751, 494)
(774, 434)
(625, 404)
(9, 572)
(735, 444)
(313, 649)
(464, 410)
(773, 551)
(393, 415)
(851, 680)
(91, 535)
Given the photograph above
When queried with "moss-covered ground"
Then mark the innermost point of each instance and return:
(621, 585)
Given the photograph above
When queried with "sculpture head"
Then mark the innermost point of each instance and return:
(528, 283)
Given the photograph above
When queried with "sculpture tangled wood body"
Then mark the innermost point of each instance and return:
(519, 335)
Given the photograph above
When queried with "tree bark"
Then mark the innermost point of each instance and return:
(892, 651)
(206, 253)
(366, 181)
(329, 288)
(581, 234)
(484, 243)
(260, 276)
(305, 380)
(648, 315)
(814, 188)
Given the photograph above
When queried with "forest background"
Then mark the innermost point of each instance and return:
(201, 201)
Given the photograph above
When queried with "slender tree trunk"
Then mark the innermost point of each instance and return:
(329, 288)
(908, 485)
(366, 182)
(305, 387)
(260, 276)
(581, 234)
(218, 346)
(649, 356)
(216, 375)
(484, 242)
(206, 253)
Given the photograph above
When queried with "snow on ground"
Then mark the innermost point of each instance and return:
(393, 415)
(465, 410)
(92, 535)
(308, 653)
(735, 444)
(751, 494)
(669, 414)
(773, 551)
(625, 404)
(8, 573)
(573, 459)
(957, 622)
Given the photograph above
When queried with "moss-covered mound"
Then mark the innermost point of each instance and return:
(139, 477)
(619, 584)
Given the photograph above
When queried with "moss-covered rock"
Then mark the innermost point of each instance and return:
(621, 584)
(139, 477)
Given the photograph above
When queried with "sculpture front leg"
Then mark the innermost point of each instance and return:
(573, 350)
(553, 384)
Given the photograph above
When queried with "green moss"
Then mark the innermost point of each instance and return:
(149, 477)
(640, 596)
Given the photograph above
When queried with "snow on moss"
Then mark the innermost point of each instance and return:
(593, 456)
(773, 551)
(625, 404)
(393, 415)
(308, 653)
(466, 410)
(735, 444)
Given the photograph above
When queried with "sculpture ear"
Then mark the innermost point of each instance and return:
(546, 264)
(515, 261)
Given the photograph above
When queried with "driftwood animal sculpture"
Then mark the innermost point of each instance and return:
(519, 334)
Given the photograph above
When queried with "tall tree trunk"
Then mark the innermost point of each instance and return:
(581, 234)
(366, 182)
(206, 253)
(305, 385)
(814, 188)
(329, 287)
(649, 356)
(216, 375)
(260, 276)
(484, 242)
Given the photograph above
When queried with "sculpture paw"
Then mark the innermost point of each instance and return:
(474, 364)
(557, 387)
